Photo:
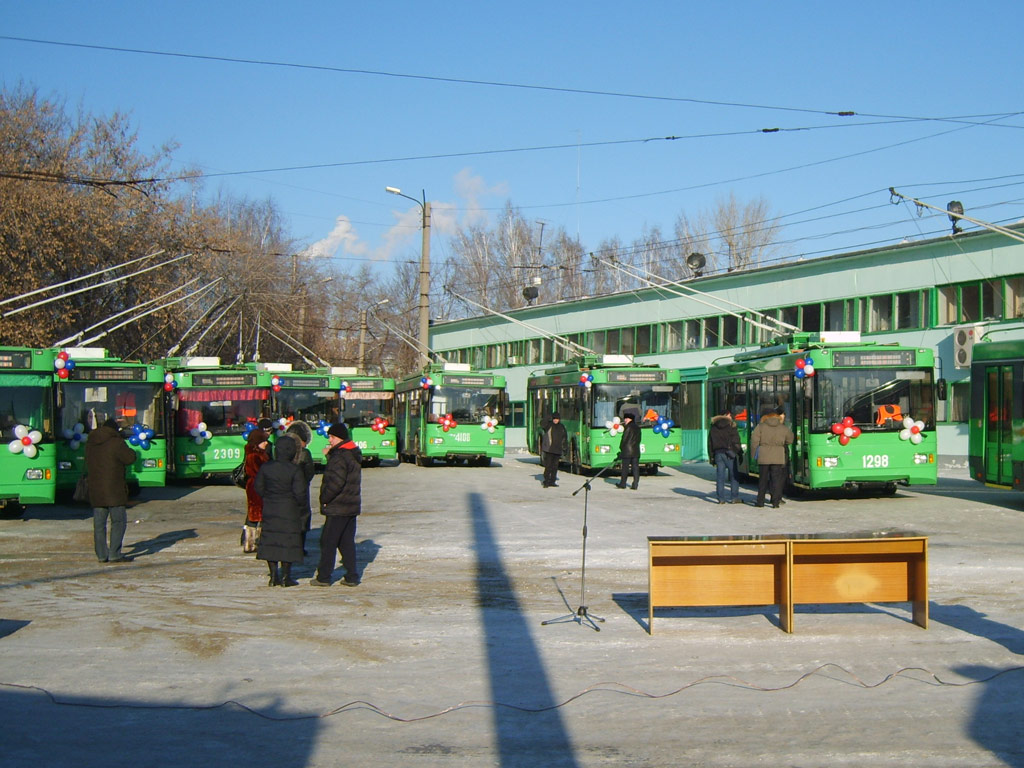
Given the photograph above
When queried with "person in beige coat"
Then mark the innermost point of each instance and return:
(768, 445)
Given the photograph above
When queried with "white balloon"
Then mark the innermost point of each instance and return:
(31, 451)
(848, 431)
(15, 446)
(194, 431)
(808, 370)
(198, 440)
(58, 363)
(919, 424)
(916, 439)
(908, 422)
(20, 431)
(35, 435)
(168, 377)
(904, 434)
(80, 428)
(202, 426)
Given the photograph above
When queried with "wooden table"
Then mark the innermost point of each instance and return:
(788, 569)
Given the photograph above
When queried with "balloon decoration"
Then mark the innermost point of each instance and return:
(663, 426)
(447, 422)
(586, 380)
(281, 425)
(322, 427)
(846, 430)
(379, 424)
(614, 426)
(200, 434)
(76, 436)
(344, 388)
(141, 435)
(63, 364)
(426, 382)
(912, 431)
(25, 441)
(489, 423)
(170, 383)
(804, 367)
(275, 383)
(249, 427)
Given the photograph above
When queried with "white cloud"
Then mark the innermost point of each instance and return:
(343, 237)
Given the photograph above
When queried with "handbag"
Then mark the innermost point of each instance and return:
(238, 476)
(81, 492)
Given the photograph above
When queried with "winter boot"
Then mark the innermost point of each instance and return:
(275, 577)
(286, 576)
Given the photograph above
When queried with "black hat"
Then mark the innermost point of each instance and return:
(340, 431)
(769, 412)
(556, 415)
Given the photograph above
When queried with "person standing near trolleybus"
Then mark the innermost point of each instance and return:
(629, 450)
(768, 444)
(724, 452)
(340, 504)
(107, 455)
(553, 442)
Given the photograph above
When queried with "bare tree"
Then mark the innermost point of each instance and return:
(732, 234)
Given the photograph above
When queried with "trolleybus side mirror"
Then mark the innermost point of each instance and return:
(940, 389)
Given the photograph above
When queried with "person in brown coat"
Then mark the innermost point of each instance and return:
(768, 445)
(106, 456)
(256, 455)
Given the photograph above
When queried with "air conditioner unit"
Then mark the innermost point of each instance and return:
(964, 337)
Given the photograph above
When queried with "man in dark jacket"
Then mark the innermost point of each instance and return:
(724, 451)
(768, 445)
(629, 450)
(340, 501)
(553, 442)
(106, 456)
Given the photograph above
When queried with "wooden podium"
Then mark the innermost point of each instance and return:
(788, 570)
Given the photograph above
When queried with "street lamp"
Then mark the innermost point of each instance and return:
(424, 309)
(362, 332)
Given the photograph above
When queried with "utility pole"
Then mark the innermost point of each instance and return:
(424, 307)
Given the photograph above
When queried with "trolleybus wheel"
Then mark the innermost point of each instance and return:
(483, 461)
(11, 510)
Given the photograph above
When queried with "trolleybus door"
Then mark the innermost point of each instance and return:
(998, 424)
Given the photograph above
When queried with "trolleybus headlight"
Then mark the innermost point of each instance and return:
(63, 465)
(921, 458)
(190, 457)
(386, 443)
(828, 462)
(437, 441)
(604, 449)
(669, 447)
(149, 464)
(495, 441)
(33, 474)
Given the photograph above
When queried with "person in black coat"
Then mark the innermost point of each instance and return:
(300, 431)
(553, 442)
(282, 486)
(340, 504)
(629, 450)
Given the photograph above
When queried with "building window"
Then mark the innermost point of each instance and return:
(643, 340)
(627, 341)
(712, 337)
(948, 305)
(959, 401)
(992, 300)
(908, 309)
(970, 303)
(516, 414)
(811, 321)
(790, 315)
(597, 339)
(672, 336)
(730, 331)
(611, 345)
(881, 313)
(1014, 296)
(533, 351)
(693, 334)
(837, 315)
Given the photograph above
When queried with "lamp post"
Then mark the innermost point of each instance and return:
(424, 309)
(362, 332)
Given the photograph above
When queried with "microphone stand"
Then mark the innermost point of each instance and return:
(581, 614)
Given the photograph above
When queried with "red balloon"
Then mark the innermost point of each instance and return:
(62, 355)
(837, 428)
(914, 430)
(800, 363)
(843, 440)
(168, 386)
(856, 432)
(847, 421)
(26, 440)
(62, 373)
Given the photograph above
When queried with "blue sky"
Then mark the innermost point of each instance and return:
(719, 72)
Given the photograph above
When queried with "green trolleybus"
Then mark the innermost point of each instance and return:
(996, 434)
(91, 386)
(591, 394)
(863, 414)
(211, 410)
(309, 396)
(28, 459)
(453, 413)
(368, 408)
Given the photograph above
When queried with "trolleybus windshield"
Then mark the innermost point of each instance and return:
(878, 399)
(24, 400)
(224, 411)
(90, 403)
(308, 405)
(359, 409)
(466, 404)
(611, 400)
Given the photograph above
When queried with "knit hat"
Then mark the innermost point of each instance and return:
(340, 431)
(556, 415)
